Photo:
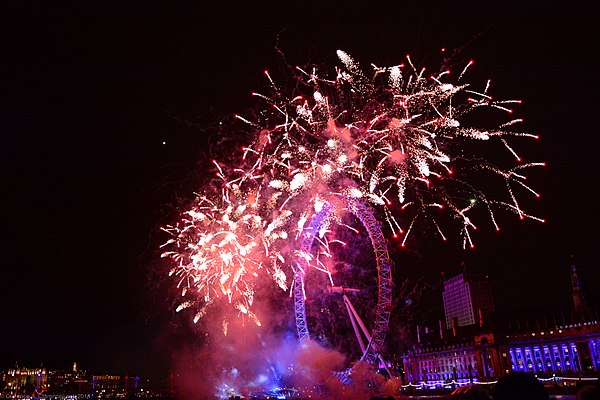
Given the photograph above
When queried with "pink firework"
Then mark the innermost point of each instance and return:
(394, 137)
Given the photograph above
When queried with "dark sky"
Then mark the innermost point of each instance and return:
(87, 180)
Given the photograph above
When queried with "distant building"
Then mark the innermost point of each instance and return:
(466, 296)
(562, 341)
(106, 381)
(25, 380)
(73, 381)
(443, 362)
(68, 381)
(570, 350)
(564, 349)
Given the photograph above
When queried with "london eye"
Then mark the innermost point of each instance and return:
(370, 339)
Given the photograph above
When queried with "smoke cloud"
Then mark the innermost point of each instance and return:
(251, 360)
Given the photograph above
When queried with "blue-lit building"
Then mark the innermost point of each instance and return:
(570, 349)
(561, 342)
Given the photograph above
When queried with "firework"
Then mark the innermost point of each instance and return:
(221, 246)
(393, 137)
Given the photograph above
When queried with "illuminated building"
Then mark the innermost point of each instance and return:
(442, 363)
(567, 344)
(107, 381)
(69, 381)
(565, 349)
(20, 379)
(563, 342)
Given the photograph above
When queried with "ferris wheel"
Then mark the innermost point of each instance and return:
(370, 340)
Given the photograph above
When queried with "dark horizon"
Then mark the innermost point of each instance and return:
(89, 181)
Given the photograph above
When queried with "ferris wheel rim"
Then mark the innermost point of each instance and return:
(383, 263)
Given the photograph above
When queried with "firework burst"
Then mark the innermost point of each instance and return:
(393, 137)
(221, 246)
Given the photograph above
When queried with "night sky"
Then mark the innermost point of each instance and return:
(103, 129)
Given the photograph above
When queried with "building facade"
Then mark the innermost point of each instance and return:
(484, 349)
(572, 349)
(443, 363)
(17, 380)
(466, 297)
(565, 350)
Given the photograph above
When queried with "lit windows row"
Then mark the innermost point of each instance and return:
(552, 358)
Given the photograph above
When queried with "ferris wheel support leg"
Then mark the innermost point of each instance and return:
(361, 342)
(352, 310)
(358, 318)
